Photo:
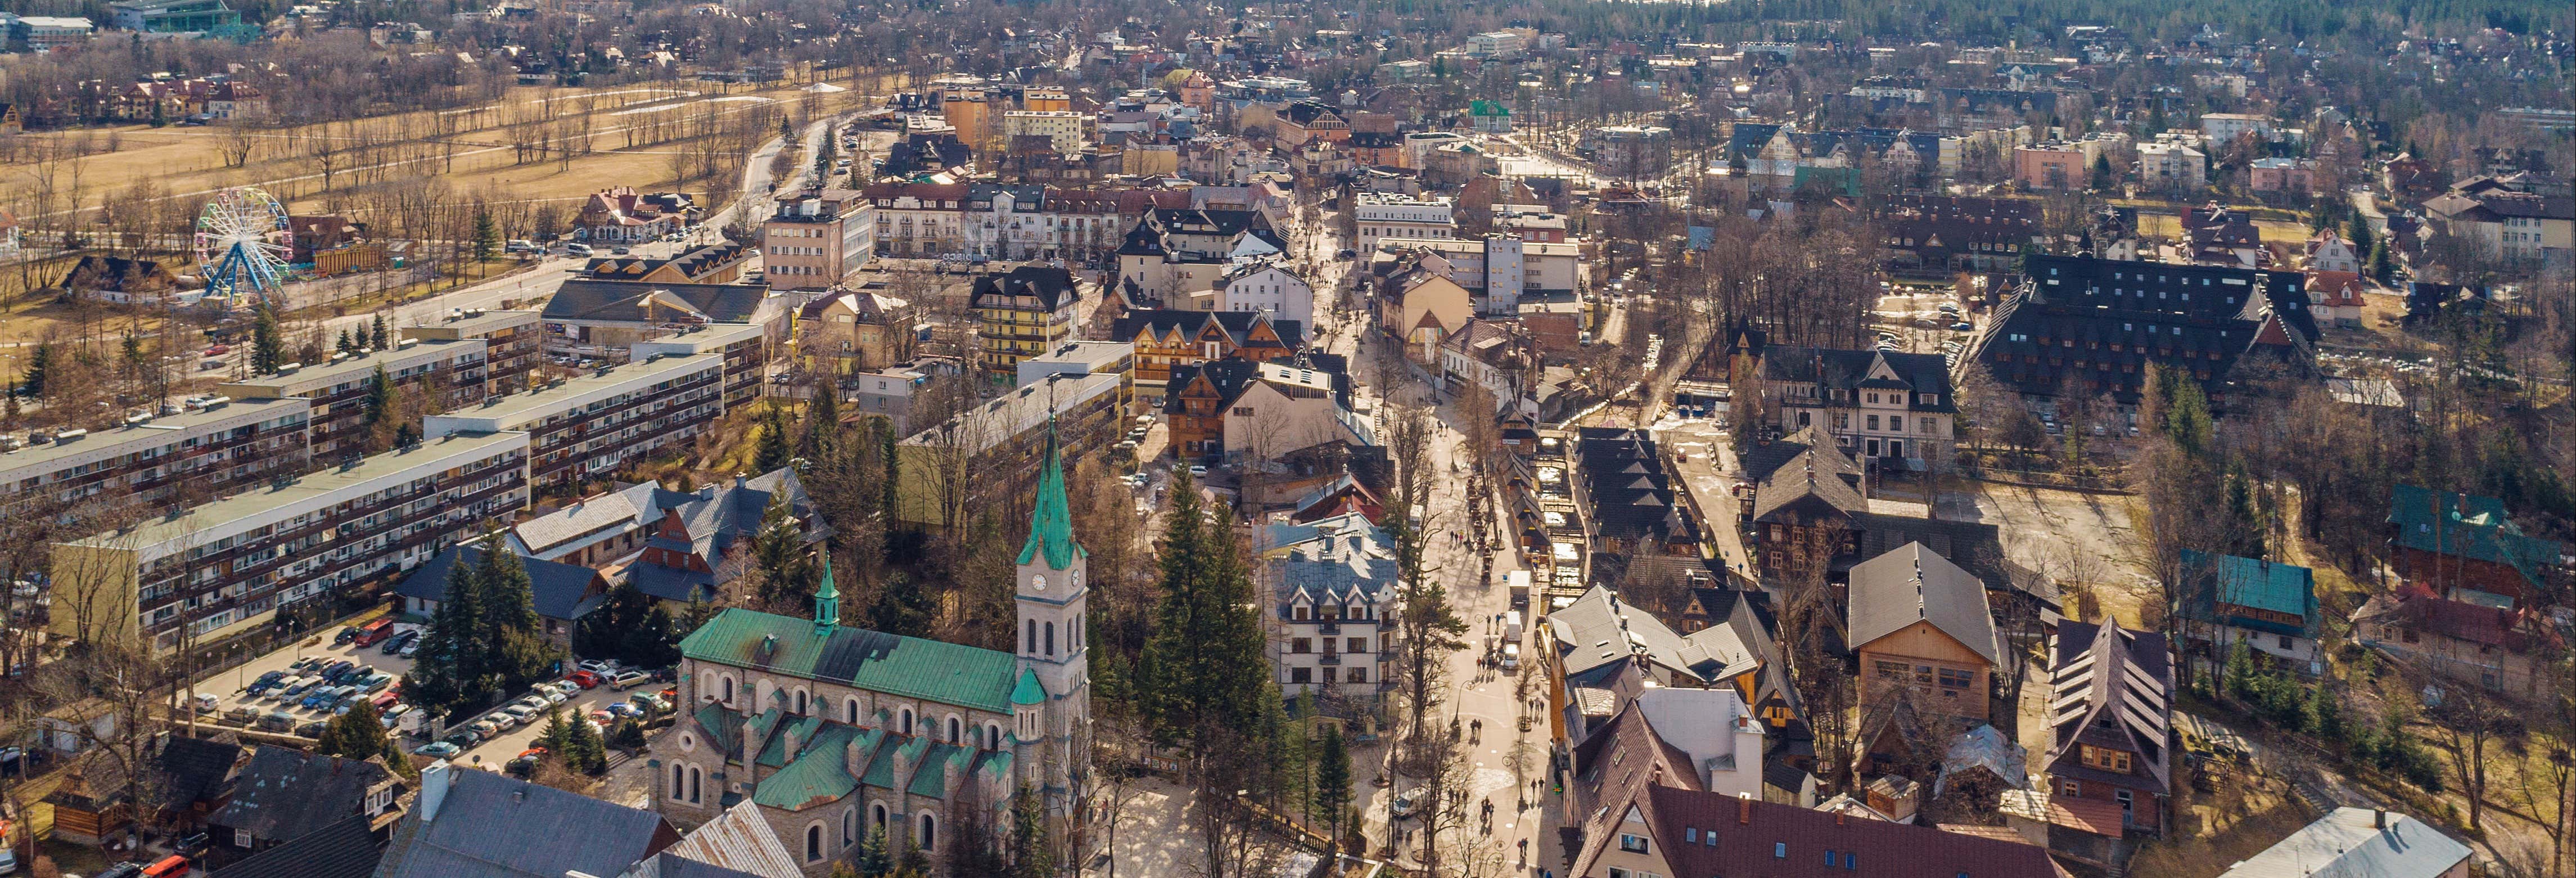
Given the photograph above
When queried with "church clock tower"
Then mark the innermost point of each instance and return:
(1054, 641)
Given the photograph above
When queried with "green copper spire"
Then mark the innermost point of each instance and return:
(827, 597)
(1051, 523)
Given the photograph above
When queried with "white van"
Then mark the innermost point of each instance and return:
(1512, 626)
(1512, 656)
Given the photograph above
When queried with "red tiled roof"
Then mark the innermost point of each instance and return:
(2335, 288)
(1750, 836)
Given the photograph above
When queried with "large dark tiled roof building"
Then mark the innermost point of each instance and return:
(2090, 325)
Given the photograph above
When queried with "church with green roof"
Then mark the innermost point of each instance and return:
(837, 732)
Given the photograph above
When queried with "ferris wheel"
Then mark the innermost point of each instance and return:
(237, 244)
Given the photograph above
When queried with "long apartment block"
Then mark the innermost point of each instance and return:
(450, 372)
(591, 425)
(514, 342)
(221, 568)
(745, 349)
(207, 450)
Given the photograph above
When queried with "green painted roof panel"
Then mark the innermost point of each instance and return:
(948, 673)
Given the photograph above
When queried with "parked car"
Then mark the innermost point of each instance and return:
(207, 703)
(347, 633)
(519, 714)
(312, 729)
(398, 641)
(438, 750)
(583, 679)
(621, 708)
(602, 667)
(632, 679)
(410, 649)
(308, 663)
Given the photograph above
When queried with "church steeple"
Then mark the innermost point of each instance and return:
(1051, 522)
(827, 598)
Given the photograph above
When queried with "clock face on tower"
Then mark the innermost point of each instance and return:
(1038, 582)
(1077, 579)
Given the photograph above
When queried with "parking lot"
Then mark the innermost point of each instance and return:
(229, 689)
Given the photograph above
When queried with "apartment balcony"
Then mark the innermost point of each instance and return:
(1330, 658)
(1331, 628)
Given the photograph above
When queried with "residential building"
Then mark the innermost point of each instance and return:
(605, 319)
(1331, 605)
(888, 392)
(1492, 354)
(283, 795)
(1020, 314)
(1489, 117)
(1641, 808)
(817, 238)
(1629, 152)
(514, 343)
(1266, 285)
(1896, 408)
(2088, 325)
(562, 592)
(2224, 128)
(1952, 233)
(2172, 166)
(444, 374)
(2359, 841)
(2466, 548)
(2054, 167)
(1063, 129)
(744, 349)
(2328, 251)
(1167, 340)
(2112, 742)
(1923, 633)
(1811, 511)
(1533, 223)
(228, 566)
(1381, 216)
(1291, 405)
(586, 428)
(849, 332)
(839, 733)
(2494, 649)
(620, 215)
(1170, 252)
(1600, 653)
(489, 825)
(1499, 270)
(1196, 401)
(206, 450)
(2279, 174)
(2509, 218)
(1420, 307)
(674, 545)
(2269, 607)
(949, 468)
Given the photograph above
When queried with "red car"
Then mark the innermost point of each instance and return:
(218, 350)
(584, 679)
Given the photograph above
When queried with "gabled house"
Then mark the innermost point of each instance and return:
(846, 333)
(2269, 607)
(1022, 313)
(1331, 604)
(2494, 649)
(2111, 719)
(196, 777)
(620, 215)
(702, 540)
(2336, 297)
(563, 593)
(2085, 325)
(1639, 808)
(2466, 548)
(1600, 652)
(1922, 632)
(2328, 251)
(1897, 408)
(2359, 841)
(479, 824)
(1421, 307)
(1167, 339)
(1197, 401)
(283, 795)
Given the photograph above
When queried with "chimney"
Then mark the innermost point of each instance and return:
(1744, 809)
(2379, 819)
(1838, 818)
(434, 782)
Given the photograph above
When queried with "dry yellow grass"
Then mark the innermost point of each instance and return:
(188, 162)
